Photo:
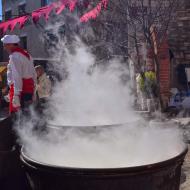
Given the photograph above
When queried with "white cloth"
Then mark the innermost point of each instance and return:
(19, 68)
(16, 101)
(9, 75)
(10, 39)
(187, 70)
(186, 103)
(44, 86)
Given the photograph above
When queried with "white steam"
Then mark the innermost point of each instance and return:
(94, 95)
(111, 147)
(91, 95)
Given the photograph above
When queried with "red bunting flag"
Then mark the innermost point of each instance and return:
(12, 23)
(94, 12)
(4, 26)
(20, 20)
(44, 11)
(71, 4)
(58, 7)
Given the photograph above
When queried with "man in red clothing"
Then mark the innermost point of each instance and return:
(21, 75)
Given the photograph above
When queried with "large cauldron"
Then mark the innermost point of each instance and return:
(164, 175)
(12, 175)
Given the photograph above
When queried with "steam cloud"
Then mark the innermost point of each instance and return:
(94, 95)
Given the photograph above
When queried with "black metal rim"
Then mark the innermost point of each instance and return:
(178, 160)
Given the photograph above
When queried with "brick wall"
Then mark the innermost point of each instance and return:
(164, 72)
(179, 39)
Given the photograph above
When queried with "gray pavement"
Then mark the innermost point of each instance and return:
(185, 179)
(184, 123)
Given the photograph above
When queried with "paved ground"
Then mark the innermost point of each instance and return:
(185, 180)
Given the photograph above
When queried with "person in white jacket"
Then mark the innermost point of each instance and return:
(21, 75)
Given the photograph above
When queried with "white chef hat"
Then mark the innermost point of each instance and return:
(10, 39)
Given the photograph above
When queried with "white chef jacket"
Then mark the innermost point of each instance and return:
(19, 68)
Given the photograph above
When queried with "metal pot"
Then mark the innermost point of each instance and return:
(159, 176)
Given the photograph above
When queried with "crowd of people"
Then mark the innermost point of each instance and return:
(26, 83)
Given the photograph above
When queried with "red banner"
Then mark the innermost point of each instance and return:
(44, 11)
(71, 4)
(21, 21)
(11, 24)
(94, 12)
(58, 7)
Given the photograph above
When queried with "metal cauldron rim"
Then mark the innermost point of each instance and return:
(52, 125)
(143, 168)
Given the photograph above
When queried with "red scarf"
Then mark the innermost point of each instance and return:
(22, 51)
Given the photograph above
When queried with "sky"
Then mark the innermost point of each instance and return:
(0, 9)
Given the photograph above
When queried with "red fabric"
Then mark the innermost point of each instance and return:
(13, 22)
(12, 109)
(60, 9)
(21, 20)
(71, 4)
(94, 12)
(59, 6)
(28, 86)
(44, 11)
(4, 26)
(22, 51)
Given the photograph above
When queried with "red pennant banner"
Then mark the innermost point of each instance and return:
(44, 11)
(58, 7)
(104, 3)
(11, 24)
(4, 26)
(71, 4)
(94, 12)
(21, 21)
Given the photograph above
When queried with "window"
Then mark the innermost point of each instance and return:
(45, 2)
(8, 14)
(22, 9)
(23, 42)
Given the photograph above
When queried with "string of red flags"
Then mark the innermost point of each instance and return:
(70, 3)
(45, 12)
(11, 24)
(94, 12)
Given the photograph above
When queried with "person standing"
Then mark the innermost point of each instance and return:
(148, 86)
(44, 86)
(21, 75)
